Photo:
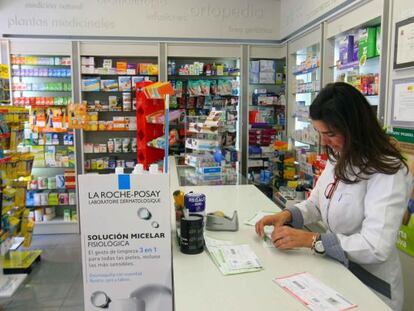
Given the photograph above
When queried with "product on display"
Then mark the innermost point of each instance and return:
(110, 98)
(267, 117)
(357, 61)
(44, 83)
(15, 166)
(202, 85)
(305, 87)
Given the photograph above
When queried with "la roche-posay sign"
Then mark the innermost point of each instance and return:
(126, 242)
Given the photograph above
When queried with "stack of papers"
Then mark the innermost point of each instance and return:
(314, 294)
(232, 259)
(252, 221)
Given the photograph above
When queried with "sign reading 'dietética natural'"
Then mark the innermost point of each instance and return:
(126, 242)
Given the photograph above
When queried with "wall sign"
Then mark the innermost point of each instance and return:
(404, 44)
(403, 103)
(199, 19)
(126, 242)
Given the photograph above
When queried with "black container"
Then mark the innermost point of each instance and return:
(191, 234)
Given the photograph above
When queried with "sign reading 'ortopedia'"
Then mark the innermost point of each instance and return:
(126, 242)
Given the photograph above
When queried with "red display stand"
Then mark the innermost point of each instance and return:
(147, 131)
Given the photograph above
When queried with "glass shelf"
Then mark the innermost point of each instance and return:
(187, 176)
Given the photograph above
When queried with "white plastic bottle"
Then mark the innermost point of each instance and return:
(138, 169)
(119, 170)
(153, 169)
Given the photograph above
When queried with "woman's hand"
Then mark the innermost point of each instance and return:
(285, 237)
(276, 220)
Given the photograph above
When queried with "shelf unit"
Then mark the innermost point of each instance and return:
(204, 140)
(267, 115)
(359, 63)
(305, 85)
(108, 87)
(15, 224)
(43, 82)
(204, 83)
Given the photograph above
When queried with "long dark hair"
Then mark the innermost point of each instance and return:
(367, 148)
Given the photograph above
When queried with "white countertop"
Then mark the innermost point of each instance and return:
(199, 285)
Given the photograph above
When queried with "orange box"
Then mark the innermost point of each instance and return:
(121, 67)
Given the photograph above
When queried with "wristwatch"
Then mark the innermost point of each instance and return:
(317, 245)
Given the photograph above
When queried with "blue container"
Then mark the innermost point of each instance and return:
(195, 202)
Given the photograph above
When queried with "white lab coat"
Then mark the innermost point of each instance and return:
(365, 217)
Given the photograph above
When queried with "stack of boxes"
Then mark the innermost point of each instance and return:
(354, 48)
(262, 136)
(122, 68)
(264, 72)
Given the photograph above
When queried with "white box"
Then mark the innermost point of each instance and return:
(88, 61)
(267, 77)
(255, 163)
(88, 147)
(267, 65)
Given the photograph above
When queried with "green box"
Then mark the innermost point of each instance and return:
(378, 43)
(53, 198)
(367, 43)
(66, 215)
(405, 241)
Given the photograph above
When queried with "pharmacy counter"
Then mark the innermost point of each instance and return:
(199, 285)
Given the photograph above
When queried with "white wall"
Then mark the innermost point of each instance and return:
(401, 10)
(297, 13)
(196, 19)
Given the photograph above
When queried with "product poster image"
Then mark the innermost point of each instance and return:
(126, 242)
(405, 241)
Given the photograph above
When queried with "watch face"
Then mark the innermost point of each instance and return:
(319, 247)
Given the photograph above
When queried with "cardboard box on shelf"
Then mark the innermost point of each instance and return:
(91, 85)
(124, 83)
(131, 123)
(267, 77)
(121, 67)
(366, 43)
(267, 65)
(70, 179)
(109, 85)
(88, 61)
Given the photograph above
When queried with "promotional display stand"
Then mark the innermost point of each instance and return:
(126, 242)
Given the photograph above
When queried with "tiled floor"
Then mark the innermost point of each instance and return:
(55, 282)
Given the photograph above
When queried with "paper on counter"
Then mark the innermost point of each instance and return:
(210, 242)
(232, 259)
(239, 257)
(252, 221)
(314, 294)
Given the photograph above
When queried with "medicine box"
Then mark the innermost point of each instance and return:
(90, 85)
(267, 65)
(109, 85)
(124, 83)
(367, 43)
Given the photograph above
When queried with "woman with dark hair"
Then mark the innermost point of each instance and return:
(360, 196)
